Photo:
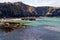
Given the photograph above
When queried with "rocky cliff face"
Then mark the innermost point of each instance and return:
(48, 11)
(19, 9)
(53, 12)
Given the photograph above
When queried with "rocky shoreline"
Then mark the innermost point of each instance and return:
(9, 26)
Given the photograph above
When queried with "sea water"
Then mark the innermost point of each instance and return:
(40, 29)
(54, 21)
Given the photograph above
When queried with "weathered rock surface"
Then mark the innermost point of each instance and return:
(9, 26)
(19, 9)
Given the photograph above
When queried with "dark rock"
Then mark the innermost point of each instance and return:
(19, 9)
(8, 27)
(29, 18)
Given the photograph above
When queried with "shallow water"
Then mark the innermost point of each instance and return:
(46, 21)
(41, 29)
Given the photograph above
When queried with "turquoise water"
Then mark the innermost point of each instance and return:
(35, 31)
(45, 21)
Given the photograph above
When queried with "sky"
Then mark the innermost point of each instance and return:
(37, 2)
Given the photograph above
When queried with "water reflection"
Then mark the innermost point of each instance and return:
(31, 33)
(41, 29)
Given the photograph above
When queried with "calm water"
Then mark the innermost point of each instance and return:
(46, 21)
(41, 29)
